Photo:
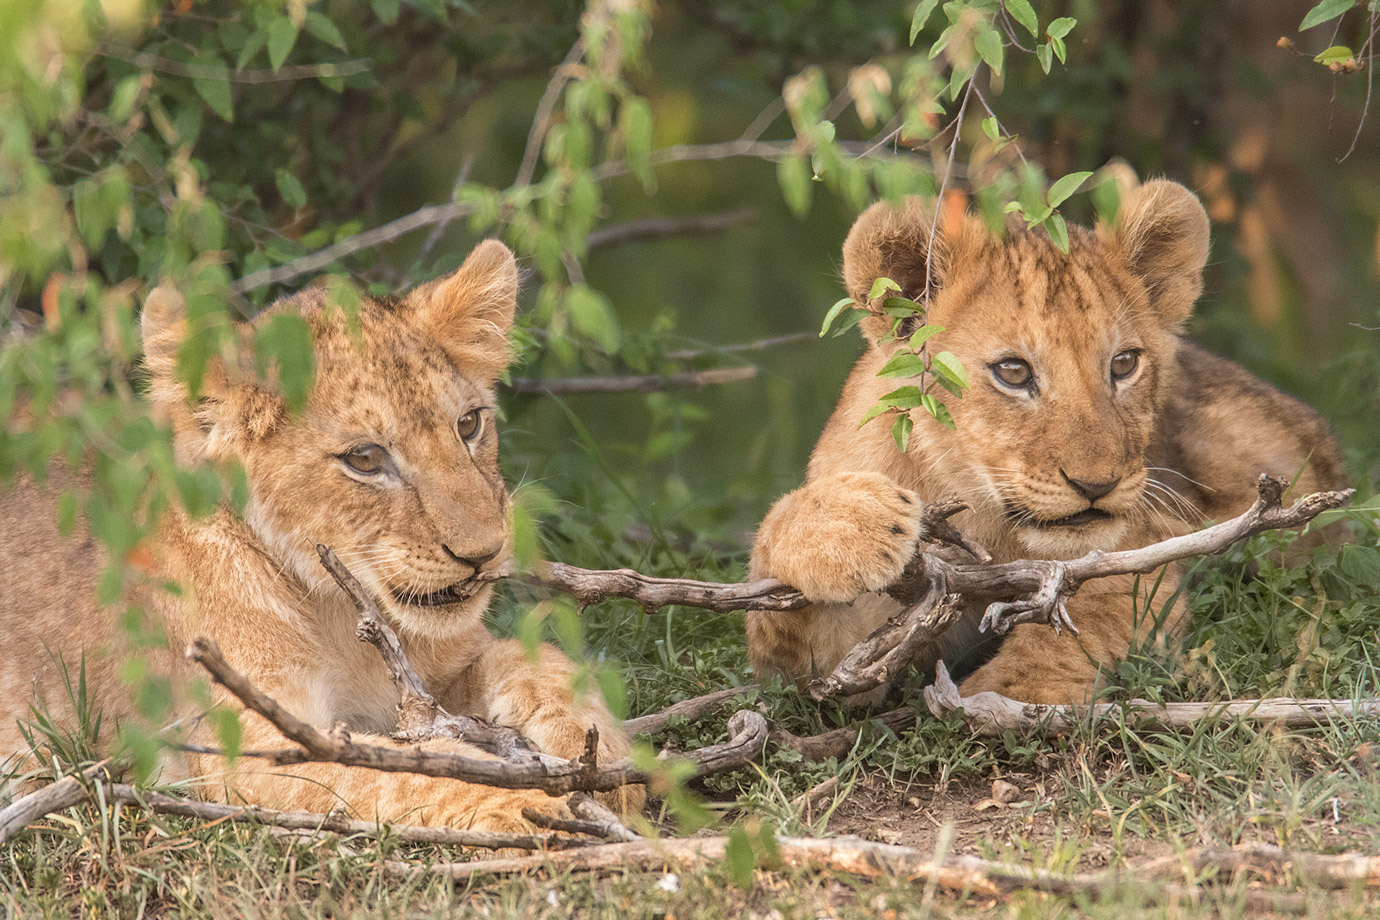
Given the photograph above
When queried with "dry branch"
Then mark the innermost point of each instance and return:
(592, 586)
(964, 874)
(591, 819)
(747, 731)
(64, 793)
(990, 713)
(839, 741)
(420, 717)
(692, 709)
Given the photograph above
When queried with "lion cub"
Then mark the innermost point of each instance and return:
(1091, 424)
(394, 464)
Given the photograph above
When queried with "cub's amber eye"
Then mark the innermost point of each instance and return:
(1125, 364)
(1013, 372)
(368, 459)
(469, 425)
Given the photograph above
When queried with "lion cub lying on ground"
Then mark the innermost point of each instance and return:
(1090, 424)
(394, 464)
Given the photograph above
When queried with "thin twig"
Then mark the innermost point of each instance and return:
(838, 742)
(439, 230)
(691, 354)
(146, 61)
(541, 120)
(632, 383)
(655, 228)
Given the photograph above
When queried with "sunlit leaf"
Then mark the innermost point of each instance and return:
(1325, 11)
(1066, 186)
(922, 15)
(834, 311)
(1022, 12)
(900, 431)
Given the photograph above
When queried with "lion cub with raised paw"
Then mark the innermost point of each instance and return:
(1091, 424)
(394, 464)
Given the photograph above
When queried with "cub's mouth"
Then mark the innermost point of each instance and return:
(457, 593)
(1025, 518)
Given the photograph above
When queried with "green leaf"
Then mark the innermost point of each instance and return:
(1045, 57)
(284, 342)
(834, 312)
(903, 364)
(850, 319)
(229, 732)
(386, 10)
(282, 35)
(324, 29)
(902, 307)
(900, 431)
(123, 99)
(592, 316)
(923, 335)
(740, 858)
(294, 195)
(615, 692)
(1325, 11)
(1061, 27)
(991, 128)
(793, 172)
(636, 117)
(214, 87)
(1022, 12)
(990, 47)
(1062, 189)
(947, 365)
(1058, 232)
(1060, 51)
(881, 286)
(1334, 55)
(937, 409)
(922, 16)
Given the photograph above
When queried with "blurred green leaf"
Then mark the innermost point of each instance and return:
(1325, 11)
(282, 35)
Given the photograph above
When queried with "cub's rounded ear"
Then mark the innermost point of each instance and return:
(163, 326)
(469, 312)
(893, 242)
(1162, 229)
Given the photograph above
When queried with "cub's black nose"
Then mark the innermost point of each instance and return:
(1092, 491)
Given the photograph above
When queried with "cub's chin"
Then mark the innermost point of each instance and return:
(1073, 536)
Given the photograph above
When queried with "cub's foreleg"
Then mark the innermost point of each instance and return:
(1035, 665)
(537, 697)
(405, 798)
(839, 539)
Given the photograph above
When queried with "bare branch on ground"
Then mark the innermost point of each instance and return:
(963, 874)
(64, 793)
(747, 736)
(691, 709)
(990, 713)
(839, 741)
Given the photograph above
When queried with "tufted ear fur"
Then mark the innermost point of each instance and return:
(227, 413)
(1162, 229)
(469, 312)
(894, 242)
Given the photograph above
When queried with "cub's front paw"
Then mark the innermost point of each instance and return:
(839, 537)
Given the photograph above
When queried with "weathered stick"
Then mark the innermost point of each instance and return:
(747, 730)
(839, 741)
(420, 717)
(335, 823)
(65, 793)
(894, 646)
(966, 874)
(990, 713)
(592, 586)
(692, 709)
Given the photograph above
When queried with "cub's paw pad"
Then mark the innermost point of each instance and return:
(842, 536)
